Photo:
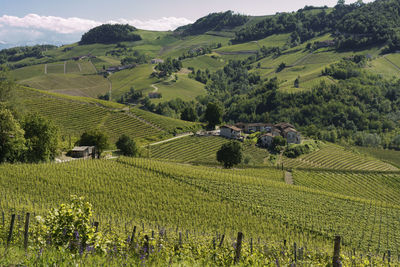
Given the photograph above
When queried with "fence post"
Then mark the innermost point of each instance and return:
(238, 247)
(133, 236)
(2, 218)
(222, 241)
(96, 225)
(336, 252)
(26, 233)
(11, 229)
(295, 251)
(146, 245)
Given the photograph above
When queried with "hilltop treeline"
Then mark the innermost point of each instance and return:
(213, 22)
(110, 33)
(354, 26)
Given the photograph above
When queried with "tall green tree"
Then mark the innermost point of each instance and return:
(213, 115)
(41, 138)
(230, 154)
(12, 141)
(94, 138)
(127, 146)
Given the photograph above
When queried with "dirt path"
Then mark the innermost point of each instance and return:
(288, 178)
(155, 87)
(173, 138)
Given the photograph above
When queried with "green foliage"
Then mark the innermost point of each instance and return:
(127, 146)
(278, 143)
(12, 141)
(213, 22)
(110, 33)
(189, 114)
(230, 154)
(168, 67)
(95, 138)
(213, 115)
(41, 137)
(296, 150)
(395, 143)
(68, 227)
(281, 67)
(355, 25)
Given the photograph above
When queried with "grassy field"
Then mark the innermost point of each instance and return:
(185, 89)
(335, 157)
(138, 78)
(204, 62)
(384, 67)
(70, 84)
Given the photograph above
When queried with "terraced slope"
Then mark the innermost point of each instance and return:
(205, 199)
(189, 149)
(75, 115)
(336, 157)
(378, 186)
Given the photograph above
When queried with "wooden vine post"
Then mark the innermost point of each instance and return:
(26, 232)
(336, 252)
(11, 229)
(238, 247)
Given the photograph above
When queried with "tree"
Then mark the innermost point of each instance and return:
(230, 154)
(41, 138)
(127, 146)
(189, 114)
(94, 138)
(297, 82)
(12, 141)
(213, 115)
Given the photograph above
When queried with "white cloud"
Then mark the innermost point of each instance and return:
(163, 24)
(38, 29)
(74, 25)
(56, 24)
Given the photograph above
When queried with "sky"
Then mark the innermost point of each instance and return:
(28, 22)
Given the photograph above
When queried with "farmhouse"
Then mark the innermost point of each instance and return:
(230, 131)
(157, 60)
(284, 129)
(255, 127)
(291, 135)
(83, 152)
(266, 139)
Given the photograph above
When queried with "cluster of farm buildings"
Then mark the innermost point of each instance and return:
(269, 131)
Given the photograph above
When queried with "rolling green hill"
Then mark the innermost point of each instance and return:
(74, 115)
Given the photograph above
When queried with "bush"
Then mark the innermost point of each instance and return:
(67, 226)
(127, 146)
